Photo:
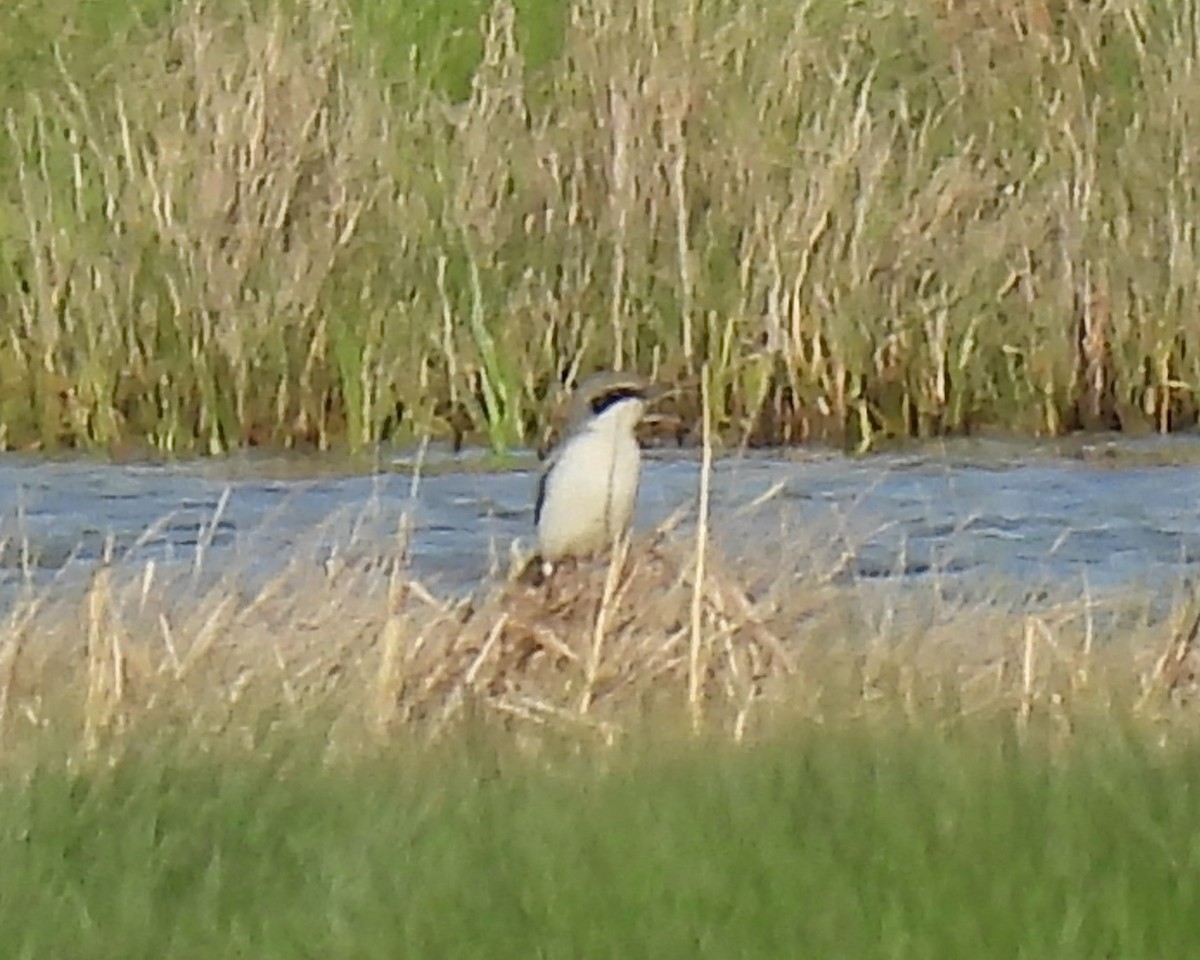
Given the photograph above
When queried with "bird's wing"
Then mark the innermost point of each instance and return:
(543, 478)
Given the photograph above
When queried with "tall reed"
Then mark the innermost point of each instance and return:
(262, 224)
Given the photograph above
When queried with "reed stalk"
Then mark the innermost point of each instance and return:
(271, 224)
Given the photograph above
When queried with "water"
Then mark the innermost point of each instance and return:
(1096, 513)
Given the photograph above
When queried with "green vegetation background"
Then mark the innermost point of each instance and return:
(331, 224)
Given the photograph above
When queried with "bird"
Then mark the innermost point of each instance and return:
(588, 484)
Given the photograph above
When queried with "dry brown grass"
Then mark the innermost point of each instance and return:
(869, 221)
(650, 636)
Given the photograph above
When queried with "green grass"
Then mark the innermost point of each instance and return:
(323, 223)
(872, 842)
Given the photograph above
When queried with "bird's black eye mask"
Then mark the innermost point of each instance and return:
(610, 399)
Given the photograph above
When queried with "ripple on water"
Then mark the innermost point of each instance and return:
(1029, 515)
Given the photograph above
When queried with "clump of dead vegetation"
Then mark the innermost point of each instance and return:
(660, 630)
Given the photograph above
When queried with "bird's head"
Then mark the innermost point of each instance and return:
(610, 397)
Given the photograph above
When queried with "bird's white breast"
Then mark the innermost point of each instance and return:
(591, 489)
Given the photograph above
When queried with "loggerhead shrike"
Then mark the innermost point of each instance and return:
(589, 483)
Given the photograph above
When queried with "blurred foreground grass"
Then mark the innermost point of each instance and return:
(890, 840)
(232, 223)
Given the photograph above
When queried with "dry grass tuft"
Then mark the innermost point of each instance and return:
(598, 637)
(598, 650)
